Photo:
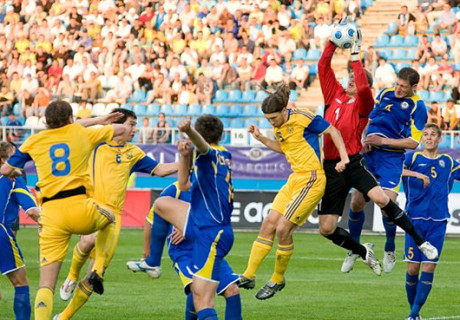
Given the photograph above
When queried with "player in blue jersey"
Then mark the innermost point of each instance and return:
(210, 209)
(427, 179)
(395, 124)
(180, 251)
(14, 193)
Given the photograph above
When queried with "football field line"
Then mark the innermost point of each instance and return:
(442, 318)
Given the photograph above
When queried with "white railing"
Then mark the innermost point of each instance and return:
(234, 137)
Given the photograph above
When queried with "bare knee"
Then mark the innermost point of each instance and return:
(232, 290)
(18, 278)
(327, 229)
(269, 225)
(327, 224)
(357, 201)
(284, 233)
(429, 267)
(413, 268)
(86, 243)
(379, 196)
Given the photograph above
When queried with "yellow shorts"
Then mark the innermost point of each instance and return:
(116, 234)
(61, 218)
(149, 217)
(300, 195)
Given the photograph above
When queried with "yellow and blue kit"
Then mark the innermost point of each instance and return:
(110, 167)
(299, 139)
(428, 207)
(13, 194)
(61, 157)
(394, 118)
(211, 209)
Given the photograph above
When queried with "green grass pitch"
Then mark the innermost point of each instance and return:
(315, 287)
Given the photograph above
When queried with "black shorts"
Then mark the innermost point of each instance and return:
(338, 185)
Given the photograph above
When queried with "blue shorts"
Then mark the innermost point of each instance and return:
(386, 166)
(209, 251)
(433, 231)
(226, 274)
(10, 255)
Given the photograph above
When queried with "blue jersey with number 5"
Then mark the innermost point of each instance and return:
(61, 157)
(430, 203)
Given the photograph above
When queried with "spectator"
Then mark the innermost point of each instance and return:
(443, 75)
(456, 86)
(161, 90)
(423, 49)
(204, 89)
(384, 75)
(228, 76)
(322, 32)
(446, 20)
(162, 130)
(421, 21)
(66, 88)
(428, 74)
(438, 46)
(404, 18)
(258, 73)
(84, 111)
(456, 46)
(122, 90)
(28, 90)
(434, 114)
(41, 101)
(145, 132)
(299, 76)
(451, 115)
(6, 100)
(91, 89)
(353, 9)
(286, 45)
(13, 135)
(244, 75)
(273, 76)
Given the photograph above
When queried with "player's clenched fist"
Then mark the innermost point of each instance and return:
(184, 125)
(183, 147)
(255, 131)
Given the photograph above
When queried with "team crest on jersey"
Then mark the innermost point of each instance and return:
(404, 105)
(129, 156)
(290, 129)
(442, 163)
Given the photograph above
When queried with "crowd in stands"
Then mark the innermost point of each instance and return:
(181, 52)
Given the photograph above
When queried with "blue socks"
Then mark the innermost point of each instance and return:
(390, 231)
(160, 228)
(411, 288)
(22, 303)
(207, 314)
(190, 313)
(423, 290)
(233, 308)
(355, 224)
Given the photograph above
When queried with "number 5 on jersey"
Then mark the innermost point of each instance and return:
(59, 154)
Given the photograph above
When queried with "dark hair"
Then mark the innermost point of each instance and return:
(210, 128)
(4, 147)
(410, 75)
(126, 114)
(57, 114)
(435, 127)
(276, 101)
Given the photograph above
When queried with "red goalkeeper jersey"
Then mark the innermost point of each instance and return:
(349, 115)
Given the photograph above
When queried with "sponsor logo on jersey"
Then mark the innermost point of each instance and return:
(442, 163)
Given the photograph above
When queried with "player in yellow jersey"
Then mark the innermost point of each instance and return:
(110, 167)
(64, 187)
(298, 138)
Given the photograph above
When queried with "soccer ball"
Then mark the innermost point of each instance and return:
(342, 35)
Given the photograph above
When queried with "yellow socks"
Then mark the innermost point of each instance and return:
(104, 241)
(283, 255)
(260, 249)
(78, 260)
(80, 296)
(44, 303)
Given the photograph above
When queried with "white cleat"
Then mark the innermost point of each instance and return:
(349, 262)
(389, 261)
(56, 317)
(371, 260)
(429, 250)
(142, 266)
(67, 289)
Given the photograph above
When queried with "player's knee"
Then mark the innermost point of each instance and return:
(86, 244)
(326, 229)
(269, 224)
(283, 233)
(428, 267)
(232, 290)
(380, 199)
(413, 269)
(357, 203)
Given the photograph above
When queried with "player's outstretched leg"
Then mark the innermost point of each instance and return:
(151, 265)
(82, 293)
(81, 253)
(389, 256)
(371, 260)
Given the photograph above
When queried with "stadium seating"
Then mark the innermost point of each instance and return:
(234, 96)
(140, 110)
(17, 108)
(222, 110)
(153, 109)
(251, 121)
(236, 110)
(294, 96)
(221, 96)
(250, 110)
(382, 41)
(313, 55)
(248, 96)
(396, 41)
(180, 110)
(194, 110)
(236, 123)
(98, 109)
(300, 53)
(264, 124)
(137, 96)
(209, 109)
(31, 122)
(260, 96)
(167, 109)
(109, 107)
(445, 142)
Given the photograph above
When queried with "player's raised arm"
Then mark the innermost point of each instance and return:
(200, 144)
(183, 175)
(166, 169)
(272, 144)
(101, 120)
(340, 145)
